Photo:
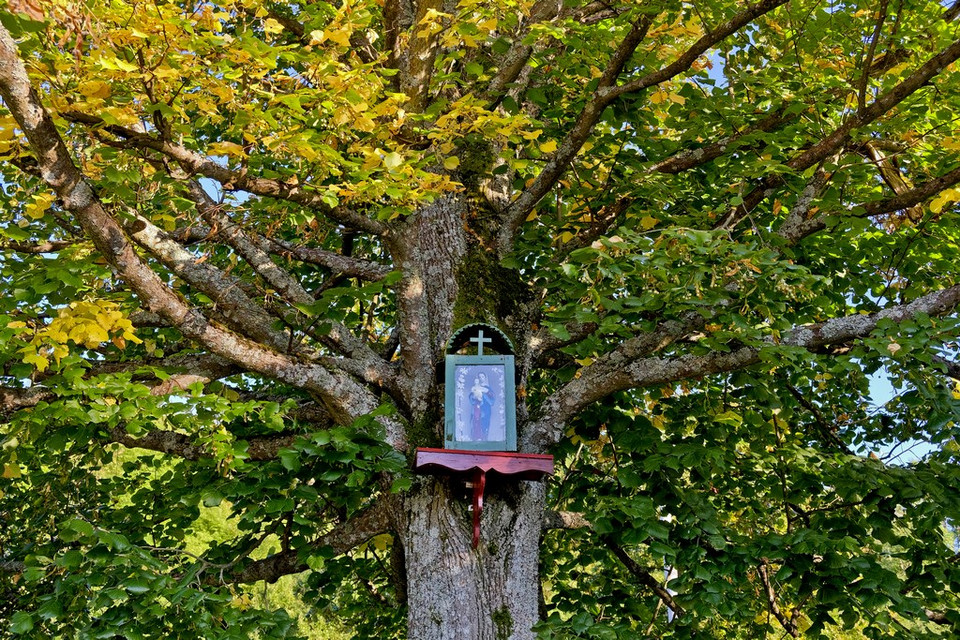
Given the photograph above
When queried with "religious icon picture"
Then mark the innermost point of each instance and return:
(480, 407)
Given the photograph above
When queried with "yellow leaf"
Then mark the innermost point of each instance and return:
(946, 196)
(371, 160)
(659, 96)
(89, 335)
(392, 160)
(226, 149)
(648, 222)
(317, 36)
(566, 237)
(549, 146)
(165, 71)
(659, 422)
(117, 64)
(676, 97)
(451, 163)
(380, 542)
(17, 324)
(60, 351)
(271, 26)
(7, 126)
(37, 360)
(94, 89)
(11, 470)
(952, 144)
(38, 205)
(893, 347)
(341, 37)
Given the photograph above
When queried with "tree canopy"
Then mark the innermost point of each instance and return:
(235, 236)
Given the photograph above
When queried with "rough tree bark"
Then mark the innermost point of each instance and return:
(457, 592)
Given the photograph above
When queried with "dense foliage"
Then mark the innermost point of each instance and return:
(235, 234)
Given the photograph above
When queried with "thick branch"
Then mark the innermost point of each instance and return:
(517, 212)
(341, 539)
(417, 71)
(364, 362)
(51, 246)
(878, 107)
(337, 262)
(681, 161)
(397, 17)
(643, 576)
(594, 12)
(184, 446)
(565, 520)
(690, 158)
(614, 372)
(952, 368)
(248, 248)
(13, 399)
(871, 51)
(12, 566)
(890, 172)
(515, 59)
(797, 228)
(236, 307)
(544, 341)
(951, 14)
(937, 617)
(787, 624)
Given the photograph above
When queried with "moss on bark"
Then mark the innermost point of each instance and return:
(504, 621)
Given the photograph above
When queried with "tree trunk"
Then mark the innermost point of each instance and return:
(452, 278)
(458, 593)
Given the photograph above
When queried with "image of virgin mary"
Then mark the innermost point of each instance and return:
(481, 401)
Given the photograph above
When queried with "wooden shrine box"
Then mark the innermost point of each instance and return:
(480, 402)
(480, 425)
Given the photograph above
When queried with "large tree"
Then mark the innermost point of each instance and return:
(236, 235)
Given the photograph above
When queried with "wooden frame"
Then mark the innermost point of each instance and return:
(480, 403)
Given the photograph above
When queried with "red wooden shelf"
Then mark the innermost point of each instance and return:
(529, 466)
(477, 464)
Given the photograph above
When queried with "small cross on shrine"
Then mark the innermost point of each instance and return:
(480, 339)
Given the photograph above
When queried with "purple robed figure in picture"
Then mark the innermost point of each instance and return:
(481, 399)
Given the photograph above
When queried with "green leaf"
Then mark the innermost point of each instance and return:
(21, 622)
(290, 459)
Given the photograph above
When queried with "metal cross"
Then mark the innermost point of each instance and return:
(480, 340)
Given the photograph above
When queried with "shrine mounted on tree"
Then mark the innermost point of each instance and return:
(480, 416)
(280, 278)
